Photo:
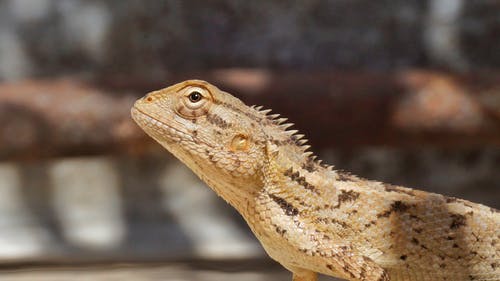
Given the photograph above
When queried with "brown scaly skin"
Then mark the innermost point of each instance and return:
(309, 217)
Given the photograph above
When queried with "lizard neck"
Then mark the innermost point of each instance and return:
(297, 172)
(295, 183)
(237, 191)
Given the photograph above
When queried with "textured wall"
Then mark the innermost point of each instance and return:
(154, 38)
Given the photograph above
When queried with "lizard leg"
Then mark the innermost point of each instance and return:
(305, 275)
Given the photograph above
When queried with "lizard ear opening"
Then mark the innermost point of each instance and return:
(239, 143)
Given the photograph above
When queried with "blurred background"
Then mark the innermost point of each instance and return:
(406, 92)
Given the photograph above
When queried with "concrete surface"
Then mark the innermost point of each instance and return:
(212, 271)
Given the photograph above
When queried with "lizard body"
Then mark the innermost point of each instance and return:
(309, 217)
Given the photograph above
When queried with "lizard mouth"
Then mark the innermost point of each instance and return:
(158, 129)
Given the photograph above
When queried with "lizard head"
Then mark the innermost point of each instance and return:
(209, 130)
(225, 142)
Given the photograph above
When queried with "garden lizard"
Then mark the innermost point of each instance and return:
(308, 216)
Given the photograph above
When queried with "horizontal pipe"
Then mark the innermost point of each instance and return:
(66, 116)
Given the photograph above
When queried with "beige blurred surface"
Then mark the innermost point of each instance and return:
(188, 271)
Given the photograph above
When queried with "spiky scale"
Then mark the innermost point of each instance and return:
(286, 126)
(265, 111)
(302, 141)
(281, 120)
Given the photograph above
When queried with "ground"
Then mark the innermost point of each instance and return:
(173, 271)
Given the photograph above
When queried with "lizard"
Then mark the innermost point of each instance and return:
(310, 217)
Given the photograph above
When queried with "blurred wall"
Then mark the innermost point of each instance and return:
(133, 38)
(143, 204)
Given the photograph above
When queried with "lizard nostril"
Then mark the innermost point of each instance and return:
(149, 99)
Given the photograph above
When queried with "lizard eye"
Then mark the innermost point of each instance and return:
(194, 101)
(195, 96)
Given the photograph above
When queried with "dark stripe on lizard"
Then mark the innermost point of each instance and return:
(218, 121)
(287, 207)
(301, 180)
